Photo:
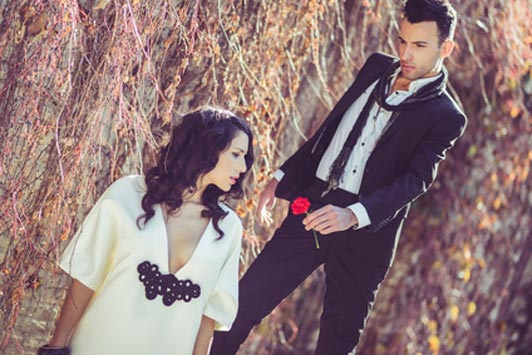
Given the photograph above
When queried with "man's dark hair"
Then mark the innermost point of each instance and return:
(440, 11)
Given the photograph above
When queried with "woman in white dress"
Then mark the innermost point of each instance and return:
(155, 263)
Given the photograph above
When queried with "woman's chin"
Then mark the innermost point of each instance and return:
(225, 188)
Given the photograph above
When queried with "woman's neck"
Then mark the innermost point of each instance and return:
(194, 196)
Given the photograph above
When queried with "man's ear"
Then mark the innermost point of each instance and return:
(447, 48)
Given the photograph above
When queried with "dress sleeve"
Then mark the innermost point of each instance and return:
(222, 305)
(87, 257)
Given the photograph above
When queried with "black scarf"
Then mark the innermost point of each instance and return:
(378, 95)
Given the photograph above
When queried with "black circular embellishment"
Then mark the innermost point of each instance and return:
(168, 286)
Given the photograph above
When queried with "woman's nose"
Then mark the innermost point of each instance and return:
(242, 165)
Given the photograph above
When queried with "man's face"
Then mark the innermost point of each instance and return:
(419, 50)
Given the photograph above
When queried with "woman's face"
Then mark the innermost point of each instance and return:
(231, 164)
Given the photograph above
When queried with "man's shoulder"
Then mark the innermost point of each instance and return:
(376, 63)
(448, 105)
(380, 60)
(379, 57)
(445, 109)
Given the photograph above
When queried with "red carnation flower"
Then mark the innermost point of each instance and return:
(302, 205)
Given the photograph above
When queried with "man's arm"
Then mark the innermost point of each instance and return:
(329, 219)
(385, 203)
(267, 201)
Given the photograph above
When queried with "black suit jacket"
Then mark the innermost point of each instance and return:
(402, 165)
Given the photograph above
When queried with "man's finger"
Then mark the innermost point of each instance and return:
(316, 214)
(328, 230)
(263, 201)
(271, 202)
(321, 221)
(266, 217)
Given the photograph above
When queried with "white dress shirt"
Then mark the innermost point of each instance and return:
(372, 131)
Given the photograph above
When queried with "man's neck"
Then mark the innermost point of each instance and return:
(401, 83)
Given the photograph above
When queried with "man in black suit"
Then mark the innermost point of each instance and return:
(376, 152)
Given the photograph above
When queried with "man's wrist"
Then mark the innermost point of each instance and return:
(361, 215)
(354, 219)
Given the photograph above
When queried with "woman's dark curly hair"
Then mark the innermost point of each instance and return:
(193, 151)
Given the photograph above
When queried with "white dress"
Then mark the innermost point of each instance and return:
(136, 310)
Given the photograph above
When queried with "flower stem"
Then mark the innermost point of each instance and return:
(316, 239)
(315, 236)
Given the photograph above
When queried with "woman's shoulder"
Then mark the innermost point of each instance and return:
(126, 189)
(231, 218)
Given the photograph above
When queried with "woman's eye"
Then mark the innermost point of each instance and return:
(236, 155)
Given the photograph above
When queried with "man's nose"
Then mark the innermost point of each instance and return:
(407, 53)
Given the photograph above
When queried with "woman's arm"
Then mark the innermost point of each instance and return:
(203, 340)
(76, 301)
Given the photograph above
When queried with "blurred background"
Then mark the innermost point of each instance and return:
(88, 89)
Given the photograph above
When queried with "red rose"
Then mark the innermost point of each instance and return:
(300, 205)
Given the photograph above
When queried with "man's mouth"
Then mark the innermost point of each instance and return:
(407, 67)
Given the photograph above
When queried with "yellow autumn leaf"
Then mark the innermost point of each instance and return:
(433, 326)
(240, 211)
(434, 343)
(494, 178)
(471, 308)
(100, 5)
(454, 312)
(467, 251)
(465, 274)
(472, 151)
(497, 203)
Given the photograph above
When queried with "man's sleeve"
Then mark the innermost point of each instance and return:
(385, 203)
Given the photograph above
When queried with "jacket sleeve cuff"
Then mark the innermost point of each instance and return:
(361, 214)
(278, 174)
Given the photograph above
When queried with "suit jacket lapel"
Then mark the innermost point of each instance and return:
(401, 119)
(362, 82)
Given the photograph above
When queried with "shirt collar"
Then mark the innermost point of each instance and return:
(415, 85)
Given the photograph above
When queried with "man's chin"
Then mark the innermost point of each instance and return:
(409, 75)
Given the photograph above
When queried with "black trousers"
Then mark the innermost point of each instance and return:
(287, 260)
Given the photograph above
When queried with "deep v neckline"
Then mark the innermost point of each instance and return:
(167, 243)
